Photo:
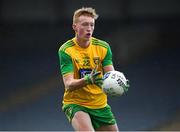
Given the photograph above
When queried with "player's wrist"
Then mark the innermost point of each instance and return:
(88, 79)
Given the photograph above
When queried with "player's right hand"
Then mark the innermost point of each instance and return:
(94, 77)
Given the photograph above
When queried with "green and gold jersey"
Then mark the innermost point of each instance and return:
(79, 62)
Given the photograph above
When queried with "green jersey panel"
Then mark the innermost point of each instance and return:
(108, 58)
(66, 63)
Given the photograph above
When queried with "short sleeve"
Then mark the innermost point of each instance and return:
(66, 64)
(108, 58)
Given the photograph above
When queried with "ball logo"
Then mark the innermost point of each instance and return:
(120, 82)
(106, 75)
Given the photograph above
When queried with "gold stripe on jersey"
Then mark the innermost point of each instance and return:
(99, 42)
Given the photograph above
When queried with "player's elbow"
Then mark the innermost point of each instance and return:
(69, 85)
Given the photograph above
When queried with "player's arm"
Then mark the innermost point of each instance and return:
(108, 68)
(73, 84)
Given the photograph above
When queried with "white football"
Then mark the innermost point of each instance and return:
(115, 83)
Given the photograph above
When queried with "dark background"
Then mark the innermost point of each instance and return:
(144, 36)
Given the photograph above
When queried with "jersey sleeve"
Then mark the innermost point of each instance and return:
(108, 58)
(66, 64)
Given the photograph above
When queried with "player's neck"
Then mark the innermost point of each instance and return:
(82, 43)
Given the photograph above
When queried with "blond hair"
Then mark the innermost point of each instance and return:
(86, 11)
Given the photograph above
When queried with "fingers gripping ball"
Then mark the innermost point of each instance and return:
(115, 83)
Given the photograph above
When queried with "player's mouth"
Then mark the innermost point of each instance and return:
(88, 35)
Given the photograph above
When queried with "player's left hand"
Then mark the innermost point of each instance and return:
(126, 87)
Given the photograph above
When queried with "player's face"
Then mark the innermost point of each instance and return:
(84, 27)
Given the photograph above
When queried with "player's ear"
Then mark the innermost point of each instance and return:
(74, 27)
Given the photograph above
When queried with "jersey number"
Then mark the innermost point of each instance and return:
(86, 62)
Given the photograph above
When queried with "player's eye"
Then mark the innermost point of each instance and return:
(85, 24)
(92, 25)
(88, 24)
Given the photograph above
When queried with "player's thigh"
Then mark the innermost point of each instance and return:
(82, 122)
(108, 128)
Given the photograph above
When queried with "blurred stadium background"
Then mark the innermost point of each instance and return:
(144, 36)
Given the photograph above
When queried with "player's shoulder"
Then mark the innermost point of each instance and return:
(67, 44)
(99, 42)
